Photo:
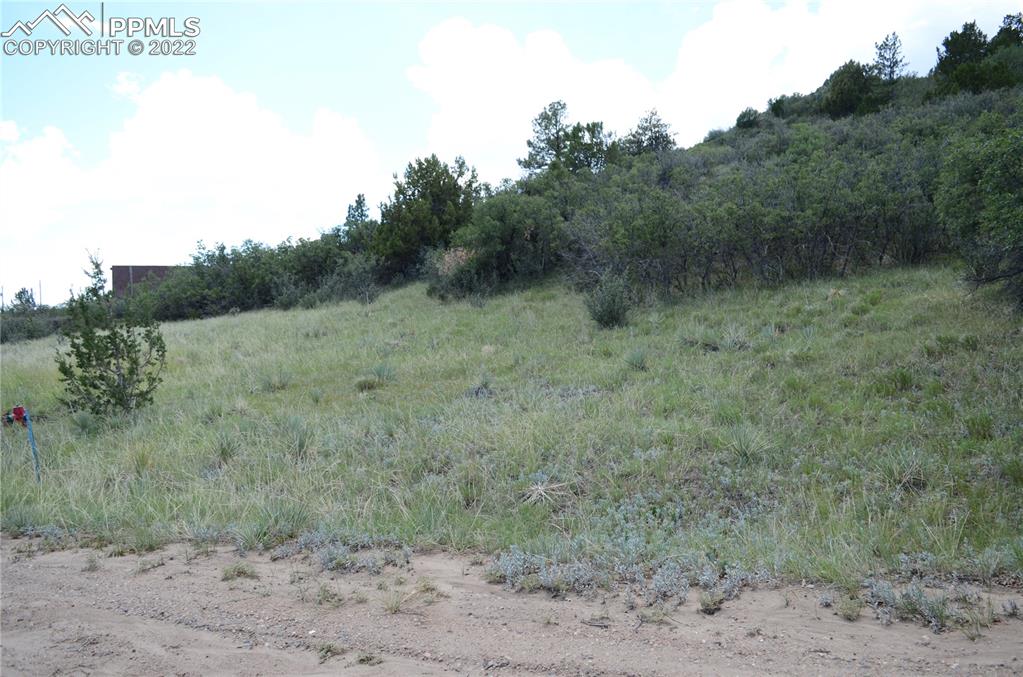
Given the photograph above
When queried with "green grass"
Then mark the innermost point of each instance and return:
(821, 430)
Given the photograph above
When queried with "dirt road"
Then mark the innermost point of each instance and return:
(71, 612)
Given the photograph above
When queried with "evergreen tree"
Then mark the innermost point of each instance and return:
(652, 134)
(431, 202)
(889, 64)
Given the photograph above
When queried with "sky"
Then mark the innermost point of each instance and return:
(286, 111)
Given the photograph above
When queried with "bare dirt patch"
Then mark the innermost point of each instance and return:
(174, 614)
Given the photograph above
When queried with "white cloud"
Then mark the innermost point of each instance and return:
(127, 84)
(196, 160)
(487, 84)
(8, 131)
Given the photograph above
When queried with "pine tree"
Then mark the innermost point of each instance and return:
(889, 63)
(110, 364)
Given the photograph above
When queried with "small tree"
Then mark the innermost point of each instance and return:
(652, 134)
(557, 144)
(109, 364)
(889, 63)
(550, 138)
(24, 301)
(747, 119)
(429, 204)
(1010, 33)
(959, 48)
(608, 301)
(848, 90)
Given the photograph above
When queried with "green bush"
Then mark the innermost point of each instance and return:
(609, 301)
(980, 200)
(108, 364)
(747, 119)
(429, 204)
(513, 235)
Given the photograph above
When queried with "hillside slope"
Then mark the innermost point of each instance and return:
(825, 430)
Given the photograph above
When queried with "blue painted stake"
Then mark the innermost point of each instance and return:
(32, 443)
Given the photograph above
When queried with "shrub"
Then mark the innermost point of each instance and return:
(981, 203)
(239, 570)
(109, 364)
(747, 119)
(429, 204)
(849, 607)
(454, 273)
(609, 301)
(355, 277)
(513, 236)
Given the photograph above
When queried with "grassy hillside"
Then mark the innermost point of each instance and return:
(824, 430)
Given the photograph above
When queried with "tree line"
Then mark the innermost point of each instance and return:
(876, 166)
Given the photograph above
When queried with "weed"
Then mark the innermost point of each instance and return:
(369, 659)
(87, 423)
(395, 600)
(894, 382)
(427, 586)
(225, 447)
(914, 604)
(383, 373)
(542, 489)
(472, 483)
(274, 381)
(849, 607)
(711, 601)
(980, 427)
(973, 620)
(91, 563)
(636, 359)
(670, 582)
(299, 436)
(238, 570)
(734, 337)
(364, 385)
(328, 651)
(145, 565)
(360, 597)
(328, 596)
(117, 550)
(337, 558)
(658, 616)
(483, 389)
(747, 443)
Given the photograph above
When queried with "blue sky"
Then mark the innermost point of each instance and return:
(288, 110)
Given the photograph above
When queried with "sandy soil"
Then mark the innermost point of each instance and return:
(180, 618)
